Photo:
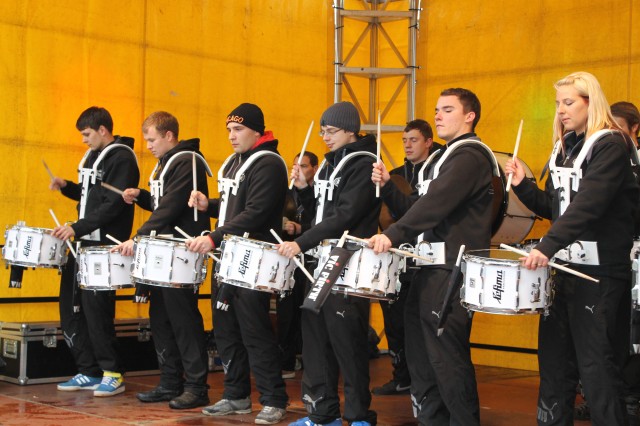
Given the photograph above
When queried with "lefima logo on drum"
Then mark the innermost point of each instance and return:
(27, 247)
(498, 287)
(244, 263)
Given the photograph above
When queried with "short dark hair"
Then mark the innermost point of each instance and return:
(629, 112)
(163, 122)
(422, 126)
(313, 159)
(93, 118)
(468, 99)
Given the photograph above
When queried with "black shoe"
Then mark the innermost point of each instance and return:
(189, 400)
(392, 388)
(582, 412)
(158, 394)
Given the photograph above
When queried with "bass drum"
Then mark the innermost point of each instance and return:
(512, 221)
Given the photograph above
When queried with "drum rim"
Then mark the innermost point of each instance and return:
(350, 291)
(503, 311)
(36, 265)
(249, 241)
(103, 288)
(166, 284)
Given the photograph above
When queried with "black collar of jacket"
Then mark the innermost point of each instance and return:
(365, 143)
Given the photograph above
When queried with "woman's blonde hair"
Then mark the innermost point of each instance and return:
(598, 112)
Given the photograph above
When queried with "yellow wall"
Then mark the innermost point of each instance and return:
(199, 59)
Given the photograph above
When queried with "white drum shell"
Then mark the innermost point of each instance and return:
(98, 269)
(166, 262)
(495, 282)
(369, 275)
(255, 265)
(33, 247)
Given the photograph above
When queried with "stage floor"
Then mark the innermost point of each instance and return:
(507, 398)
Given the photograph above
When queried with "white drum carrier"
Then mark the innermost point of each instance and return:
(255, 265)
(495, 282)
(369, 275)
(88, 177)
(166, 262)
(33, 247)
(98, 269)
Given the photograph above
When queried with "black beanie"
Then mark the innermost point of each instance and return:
(342, 115)
(248, 115)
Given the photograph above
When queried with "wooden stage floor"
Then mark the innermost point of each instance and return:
(507, 398)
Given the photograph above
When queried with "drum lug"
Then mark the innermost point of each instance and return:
(274, 272)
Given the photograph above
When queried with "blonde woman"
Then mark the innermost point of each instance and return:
(590, 196)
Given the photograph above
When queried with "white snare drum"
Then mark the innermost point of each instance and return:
(512, 220)
(255, 265)
(495, 282)
(33, 247)
(166, 262)
(98, 269)
(369, 275)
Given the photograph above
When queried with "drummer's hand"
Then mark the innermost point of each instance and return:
(125, 249)
(380, 174)
(288, 249)
(535, 260)
(380, 243)
(292, 228)
(202, 244)
(298, 178)
(63, 232)
(129, 194)
(57, 183)
(197, 198)
(514, 166)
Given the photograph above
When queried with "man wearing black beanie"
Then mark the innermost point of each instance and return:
(243, 332)
(335, 340)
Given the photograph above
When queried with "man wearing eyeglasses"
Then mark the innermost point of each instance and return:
(335, 340)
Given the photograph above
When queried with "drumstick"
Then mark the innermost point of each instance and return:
(552, 264)
(304, 148)
(195, 186)
(393, 250)
(55, 219)
(48, 170)
(115, 240)
(378, 155)
(295, 259)
(112, 188)
(515, 154)
(189, 237)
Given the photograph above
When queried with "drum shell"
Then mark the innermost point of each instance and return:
(33, 248)
(495, 282)
(99, 269)
(255, 265)
(166, 262)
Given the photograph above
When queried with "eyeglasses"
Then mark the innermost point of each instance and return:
(329, 132)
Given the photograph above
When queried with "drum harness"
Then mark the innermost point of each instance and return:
(88, 176)
(157, 185)
(436, 250)
(227, 186)
(565, 180)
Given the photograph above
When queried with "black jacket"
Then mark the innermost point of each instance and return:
(172, 209)
(354, 206)
(106, 210)
(457, 208)
(257, 206)
(602, 209)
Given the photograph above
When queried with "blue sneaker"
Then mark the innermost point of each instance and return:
(112, 384)
(80, 382)
(306, 421)
(360, 423)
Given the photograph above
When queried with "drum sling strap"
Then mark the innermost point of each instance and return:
(87, 178)
(157, 185)
(228, 186)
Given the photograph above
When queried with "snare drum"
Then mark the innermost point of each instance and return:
(495, 282)
(512, 220)
(255, 265)
(166, 262)
(98, 269)
(33, 247)
(369, 275)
